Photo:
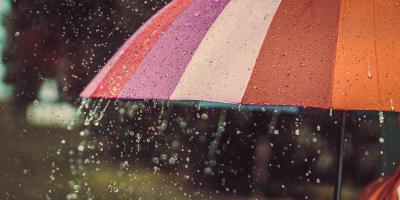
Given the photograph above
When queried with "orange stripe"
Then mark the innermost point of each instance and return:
(295, 64)
(131, 58)
(367, 69)
(388, 52)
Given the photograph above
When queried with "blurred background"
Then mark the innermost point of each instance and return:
(55, 145)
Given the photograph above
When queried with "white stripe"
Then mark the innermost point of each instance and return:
(222, 65)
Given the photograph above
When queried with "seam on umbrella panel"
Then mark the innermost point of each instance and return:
(335, 56)
(259, 54)
(376, 55)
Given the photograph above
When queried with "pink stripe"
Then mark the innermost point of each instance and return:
(162, 68)
(91, 87)
(89, 91)
(134, 54)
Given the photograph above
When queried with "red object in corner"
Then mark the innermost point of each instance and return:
(383, 189)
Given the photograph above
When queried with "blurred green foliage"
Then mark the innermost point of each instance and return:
(5, 7)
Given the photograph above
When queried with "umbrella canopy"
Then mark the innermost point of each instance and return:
(325, 54)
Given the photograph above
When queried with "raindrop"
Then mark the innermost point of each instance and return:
(156, 160)
(101, 114)
(81, 148)
(112, 188)
(381, 118)
(84, 104)
(172, 160)
(204, 116)
(391, 105)
(163, 157)
(208, 171)
(156, 169)
(124, 165)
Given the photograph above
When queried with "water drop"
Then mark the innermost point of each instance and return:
(381, 118)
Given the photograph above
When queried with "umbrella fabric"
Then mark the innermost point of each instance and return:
(383, 188)
(325, 54)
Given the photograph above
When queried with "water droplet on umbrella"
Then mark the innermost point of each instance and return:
(369, 71)
(391, 105)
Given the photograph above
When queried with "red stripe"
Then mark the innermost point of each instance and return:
(133, 55)
(296, 61)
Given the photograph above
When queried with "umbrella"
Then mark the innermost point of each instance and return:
(324, 54)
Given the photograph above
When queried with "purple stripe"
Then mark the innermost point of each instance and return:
(102, 74)
(158, 75)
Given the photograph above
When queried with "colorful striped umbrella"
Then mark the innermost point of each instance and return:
(337, 54)
(325, 54)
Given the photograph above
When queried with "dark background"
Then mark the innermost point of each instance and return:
(233, 153)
